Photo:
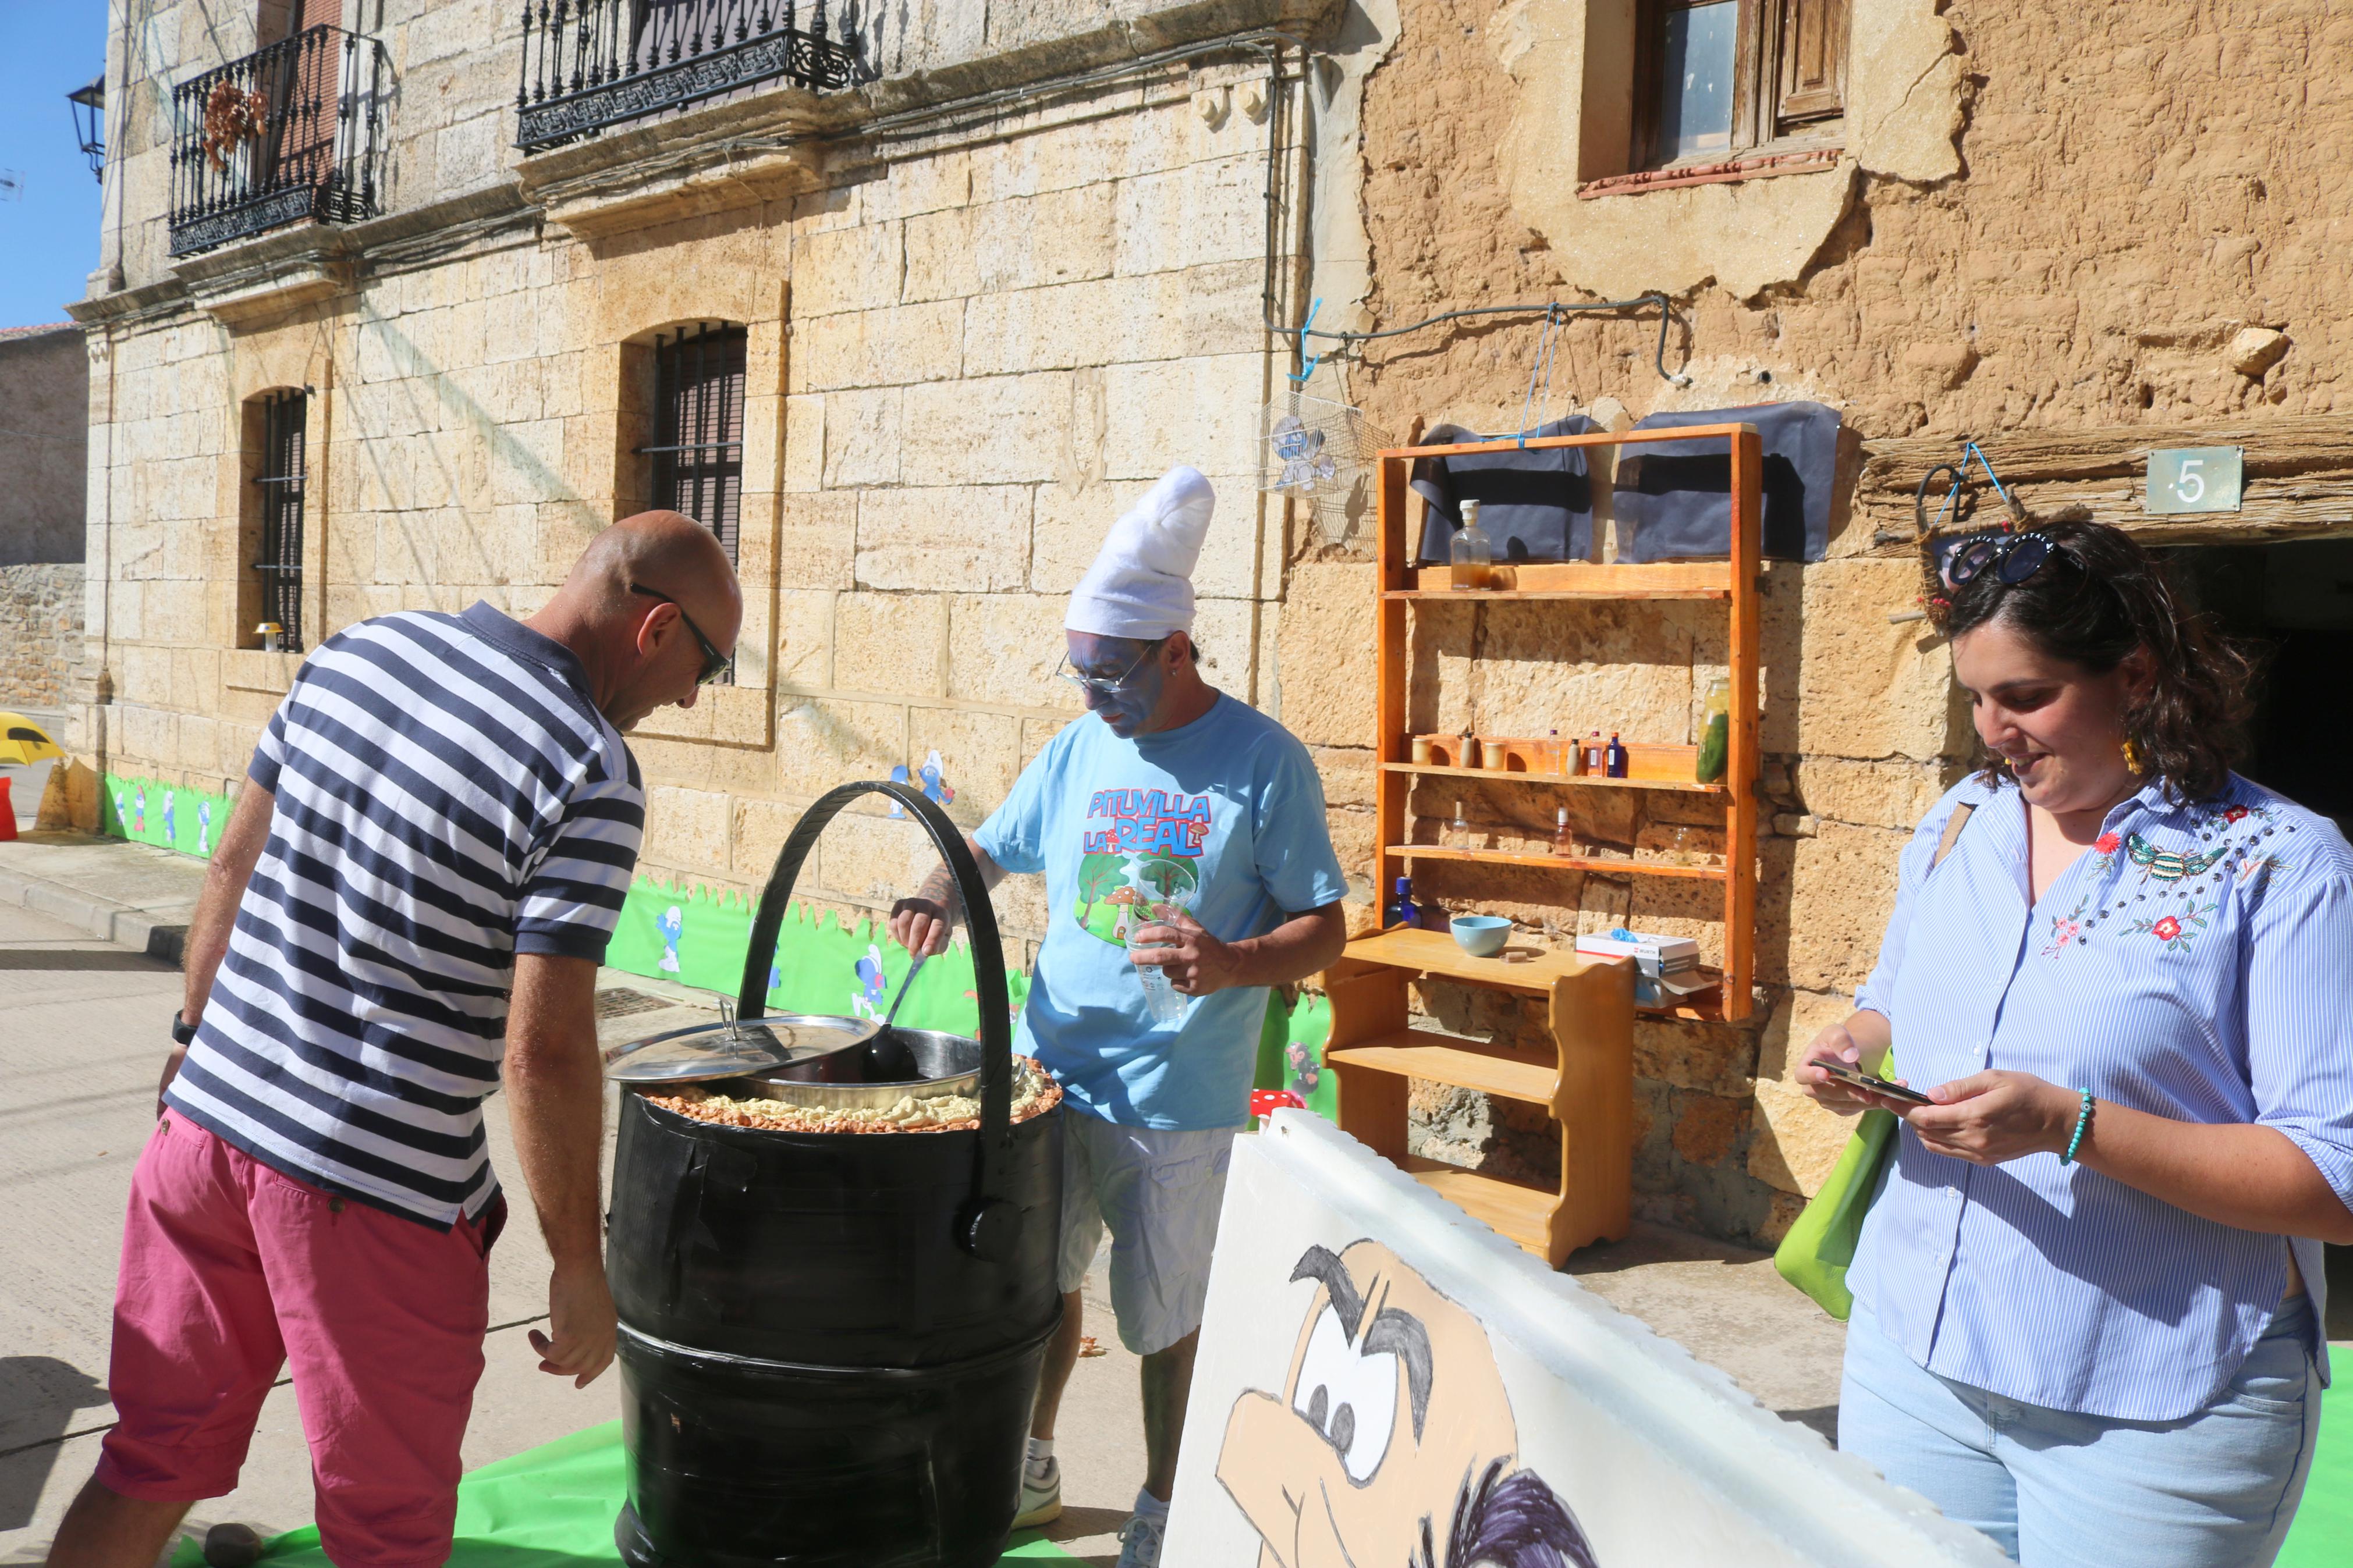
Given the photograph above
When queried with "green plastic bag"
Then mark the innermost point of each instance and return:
(1816, 1254)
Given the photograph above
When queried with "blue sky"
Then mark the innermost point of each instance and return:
(49, 239)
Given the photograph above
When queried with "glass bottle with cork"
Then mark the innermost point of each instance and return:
(1472, 556)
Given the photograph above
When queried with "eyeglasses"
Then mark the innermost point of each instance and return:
(1096, 684)
(714, 663)
(2013, 557)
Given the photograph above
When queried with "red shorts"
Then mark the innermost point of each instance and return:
(231, 1270)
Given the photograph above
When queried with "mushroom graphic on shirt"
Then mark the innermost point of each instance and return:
(1392, 1436)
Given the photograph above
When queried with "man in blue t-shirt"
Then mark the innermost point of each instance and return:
(1188, 868)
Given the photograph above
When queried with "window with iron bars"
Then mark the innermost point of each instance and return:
(278, 491)
(696, 456)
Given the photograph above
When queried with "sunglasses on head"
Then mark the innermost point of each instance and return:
(714, 663)
(2011, 557)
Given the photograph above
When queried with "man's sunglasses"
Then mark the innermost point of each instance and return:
(2011, 557)
(714, 663)
(1096, 684)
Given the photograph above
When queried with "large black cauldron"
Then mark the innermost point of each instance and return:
(830, 1341)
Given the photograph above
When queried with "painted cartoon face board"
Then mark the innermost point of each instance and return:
(1383, 1380)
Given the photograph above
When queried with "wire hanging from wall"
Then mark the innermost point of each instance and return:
(1549, 309)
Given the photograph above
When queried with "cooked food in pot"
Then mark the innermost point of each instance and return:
(1034, 1093)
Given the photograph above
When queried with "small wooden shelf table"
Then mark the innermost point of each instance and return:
(1584, 1078)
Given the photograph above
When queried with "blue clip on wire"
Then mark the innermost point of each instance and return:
(1307, 362)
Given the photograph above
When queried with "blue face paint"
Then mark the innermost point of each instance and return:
(1142, 680)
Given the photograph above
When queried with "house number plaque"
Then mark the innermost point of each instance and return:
(2194, 478)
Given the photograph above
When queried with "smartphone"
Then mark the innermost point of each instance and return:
(1860, 1079)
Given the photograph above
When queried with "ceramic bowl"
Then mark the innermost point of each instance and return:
(1480, 936)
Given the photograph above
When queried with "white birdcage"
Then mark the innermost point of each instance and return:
(1320, 452)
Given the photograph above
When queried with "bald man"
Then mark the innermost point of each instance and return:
(409, 904)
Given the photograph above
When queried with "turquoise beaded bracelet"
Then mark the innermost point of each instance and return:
(2083, 1121)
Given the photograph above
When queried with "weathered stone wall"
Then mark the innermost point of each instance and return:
(40, 633)
(2132, 186)
(971, 347)
(45, 387)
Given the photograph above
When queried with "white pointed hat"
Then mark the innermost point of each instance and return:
(1141, 584)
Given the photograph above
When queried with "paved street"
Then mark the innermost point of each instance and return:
(79, 1055)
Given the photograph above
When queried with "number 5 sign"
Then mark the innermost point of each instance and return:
(2194, 478)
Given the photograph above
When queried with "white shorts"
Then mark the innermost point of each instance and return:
(1159, 1191)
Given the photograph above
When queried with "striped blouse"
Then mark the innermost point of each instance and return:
(2196, 964)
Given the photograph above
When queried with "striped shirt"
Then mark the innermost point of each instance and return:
(448, 795)
(2196, 964)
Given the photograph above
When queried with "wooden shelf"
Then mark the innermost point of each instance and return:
(1559, 862)
(1442, 1059)
(1698, 1008)
(1527, 967)
(1522, 1213)
(1587, 1003)
(1576, 580)
(1579, 780)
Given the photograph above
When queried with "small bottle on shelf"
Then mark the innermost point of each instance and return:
(1617, 757)
(1563, 841)
(1597, 761)
(1458, 832)
(1573, 756)
(1715, 732)
(1471, 558)
(1552, 762)
(1400, 912)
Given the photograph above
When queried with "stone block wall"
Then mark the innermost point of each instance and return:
(40, 633)
(968, 355)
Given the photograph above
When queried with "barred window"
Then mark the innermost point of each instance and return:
(277, 565)
(697, 452)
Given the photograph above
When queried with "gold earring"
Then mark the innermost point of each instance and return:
(2132, 757)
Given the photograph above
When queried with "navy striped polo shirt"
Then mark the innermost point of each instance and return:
(448, 795)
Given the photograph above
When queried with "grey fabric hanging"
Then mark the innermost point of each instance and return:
(1533, 504)
(1676, 498)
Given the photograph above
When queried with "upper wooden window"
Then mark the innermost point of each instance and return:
(1717, 78)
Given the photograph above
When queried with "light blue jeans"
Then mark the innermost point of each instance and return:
(2214, 1490)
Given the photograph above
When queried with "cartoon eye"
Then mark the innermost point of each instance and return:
(1351, 1399)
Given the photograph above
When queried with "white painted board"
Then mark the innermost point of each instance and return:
(1375, 1363)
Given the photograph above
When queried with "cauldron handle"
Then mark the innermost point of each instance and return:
(984, 1226)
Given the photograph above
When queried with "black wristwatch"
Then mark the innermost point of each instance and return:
(183, 1034)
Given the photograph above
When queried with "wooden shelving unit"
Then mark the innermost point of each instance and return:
(1585, 1079)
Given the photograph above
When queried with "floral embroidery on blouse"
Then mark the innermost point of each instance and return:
(2166, 872)
(2171, 930)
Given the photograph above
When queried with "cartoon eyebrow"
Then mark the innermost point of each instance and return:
(1323, 1265)
(1394, 1331)
(1400, 1333)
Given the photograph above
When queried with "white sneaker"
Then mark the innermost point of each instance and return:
(1041, 1492)
(1139, 1542)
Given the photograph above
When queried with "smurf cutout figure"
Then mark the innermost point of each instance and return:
(121, 812)
(866, 1001)
(171, 835)
(204, 827)
(671, 925)
(928, 777)
(139, 809)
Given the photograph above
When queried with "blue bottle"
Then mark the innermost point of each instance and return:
(1400, 912)
(1615, 758)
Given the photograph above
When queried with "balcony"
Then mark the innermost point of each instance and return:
(292, 133)
(588, 64)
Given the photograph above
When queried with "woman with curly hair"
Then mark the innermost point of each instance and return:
(2087, 1297)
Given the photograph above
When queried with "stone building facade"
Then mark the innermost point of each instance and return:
(44, 468)
(1028, 261)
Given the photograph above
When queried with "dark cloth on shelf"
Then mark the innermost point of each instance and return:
(1674, 498)
(1533, 504)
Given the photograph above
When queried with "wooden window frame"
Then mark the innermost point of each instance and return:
(699, 396)
(281, 426)
(1767, 118)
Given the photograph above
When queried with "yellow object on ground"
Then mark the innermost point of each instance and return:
(22, 740)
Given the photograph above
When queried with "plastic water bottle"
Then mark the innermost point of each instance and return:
(1161, 997)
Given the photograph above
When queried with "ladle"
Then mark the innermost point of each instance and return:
(904, 986)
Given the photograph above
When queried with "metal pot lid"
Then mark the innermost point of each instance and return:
(734, 1048)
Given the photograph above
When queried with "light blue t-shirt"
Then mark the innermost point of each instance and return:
(1224, 818)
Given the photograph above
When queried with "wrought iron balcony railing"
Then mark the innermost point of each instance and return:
(291, 134)
(588, 64)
